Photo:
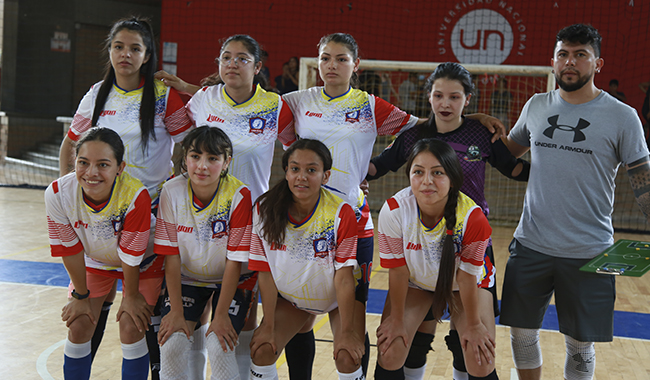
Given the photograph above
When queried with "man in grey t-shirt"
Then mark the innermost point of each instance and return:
(578, 136)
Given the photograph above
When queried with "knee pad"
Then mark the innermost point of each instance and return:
(223, 363)
(453, 345)
(421, 345)
(197, 359)
(526, 351)
(580, 359)
(173, 363)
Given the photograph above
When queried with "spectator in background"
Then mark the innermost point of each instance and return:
(286, 82)
(294, 67)
(370, 82)
(387, 87)
(408, 93)
(501, 100)
(613, 91)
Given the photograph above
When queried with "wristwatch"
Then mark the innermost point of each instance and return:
(80, 296)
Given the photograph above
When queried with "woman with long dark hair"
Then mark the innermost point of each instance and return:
(303, 245)
(432, 238)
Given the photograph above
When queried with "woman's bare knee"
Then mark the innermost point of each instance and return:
(264, 355)
(345, 363)
(81, 330)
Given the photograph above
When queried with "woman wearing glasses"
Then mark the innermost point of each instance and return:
(234, 100)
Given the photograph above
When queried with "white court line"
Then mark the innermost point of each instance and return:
(41, 363)
(513, 374)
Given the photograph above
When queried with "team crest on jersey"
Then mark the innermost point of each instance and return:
(473, 153)
(352, 117)
(117, 225)
(320, 248)
(219, 229)
(257, 125)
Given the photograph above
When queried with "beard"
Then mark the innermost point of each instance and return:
(570, 87)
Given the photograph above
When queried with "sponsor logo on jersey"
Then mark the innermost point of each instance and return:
(313, 114)
(414, 247)
(219, 229)
(107, 113)
(578, 135)
(215, 119)
(79, 224)
(275, 247)
(352, 117)
(473, 153)
(320, 248)
(256, 125)
(185, 229)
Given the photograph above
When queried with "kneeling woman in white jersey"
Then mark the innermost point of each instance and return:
(304, 245)
(433, 238)
(98, 221)
(204, 225)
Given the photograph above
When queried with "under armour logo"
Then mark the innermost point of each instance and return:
(577, 133)
(582, 364)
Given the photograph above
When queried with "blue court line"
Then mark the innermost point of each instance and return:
(626, 324)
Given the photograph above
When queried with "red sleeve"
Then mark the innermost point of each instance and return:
(390, 119)
(346, 240)
(475, 239)
(240, 223)
(257, 259)
(176, 118)
(286, 126)
(60, 233)
(81, 124)
(137, 223)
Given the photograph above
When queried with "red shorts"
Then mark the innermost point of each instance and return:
(100, 286)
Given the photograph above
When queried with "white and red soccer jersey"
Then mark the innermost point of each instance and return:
(405, 240)
(253, 127)
(348, 125)
(122, 114)
(303, 267)
(117, 232)
(204, 237)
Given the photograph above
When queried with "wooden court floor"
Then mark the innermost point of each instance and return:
(32, 334)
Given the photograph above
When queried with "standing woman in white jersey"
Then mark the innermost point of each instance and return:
(98, 222)
(233, 99)
(303, 244)
(347, 121)
(432, 239)
(149, 118)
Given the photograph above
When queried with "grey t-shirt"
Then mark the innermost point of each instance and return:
(576, 150)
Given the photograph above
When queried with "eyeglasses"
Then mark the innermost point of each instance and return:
(226, 61)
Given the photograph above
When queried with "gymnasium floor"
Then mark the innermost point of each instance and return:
(32, 293)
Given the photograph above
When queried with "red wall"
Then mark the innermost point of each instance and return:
(407, 31)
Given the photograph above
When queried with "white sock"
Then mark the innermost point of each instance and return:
(174, 357)
(414, 373)
(76, 350)
(458, 375)
(197, 357)
(356, 375)
(135, 350)
(263, 372)
(223, 364)
(243, 353)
